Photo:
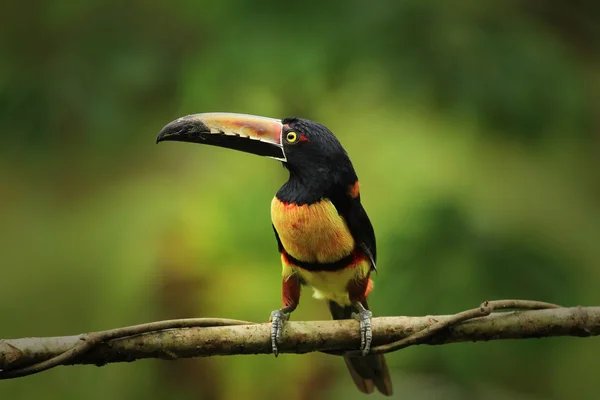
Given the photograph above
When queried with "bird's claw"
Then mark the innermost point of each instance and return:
(278, 319)
(366, 333)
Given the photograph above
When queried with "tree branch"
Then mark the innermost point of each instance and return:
(203, 337)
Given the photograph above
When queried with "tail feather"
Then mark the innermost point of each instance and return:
(368, 372)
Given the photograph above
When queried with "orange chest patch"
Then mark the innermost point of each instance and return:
(312, 232)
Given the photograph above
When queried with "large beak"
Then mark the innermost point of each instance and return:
(248, 133)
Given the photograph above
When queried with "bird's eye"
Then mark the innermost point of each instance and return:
(291, 137)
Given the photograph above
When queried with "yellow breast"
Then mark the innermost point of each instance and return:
(312, 232)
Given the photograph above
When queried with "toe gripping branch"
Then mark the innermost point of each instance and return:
(291, 298)
(366, 333)
(278, 319)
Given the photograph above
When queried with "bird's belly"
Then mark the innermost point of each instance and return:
(313, 233)
(332, 285)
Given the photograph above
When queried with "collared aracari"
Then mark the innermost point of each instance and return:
(323, 233)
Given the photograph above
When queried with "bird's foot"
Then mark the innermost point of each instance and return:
(366, 333)
(278, 319)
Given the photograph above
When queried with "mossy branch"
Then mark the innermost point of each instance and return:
(203, 337)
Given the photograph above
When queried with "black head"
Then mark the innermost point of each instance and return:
(311, 149)
(318, 164)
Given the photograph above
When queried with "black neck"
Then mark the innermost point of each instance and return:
(310, 185)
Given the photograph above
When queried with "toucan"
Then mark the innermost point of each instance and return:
(323, 233)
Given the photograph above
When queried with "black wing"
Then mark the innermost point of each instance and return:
(358, 222)
(279, 245)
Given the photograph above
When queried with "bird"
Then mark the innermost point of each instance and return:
(324, 236)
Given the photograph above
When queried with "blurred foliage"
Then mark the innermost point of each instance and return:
(473, 126)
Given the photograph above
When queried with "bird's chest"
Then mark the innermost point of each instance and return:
(313, 233)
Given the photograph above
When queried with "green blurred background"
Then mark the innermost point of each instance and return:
(473, 127)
